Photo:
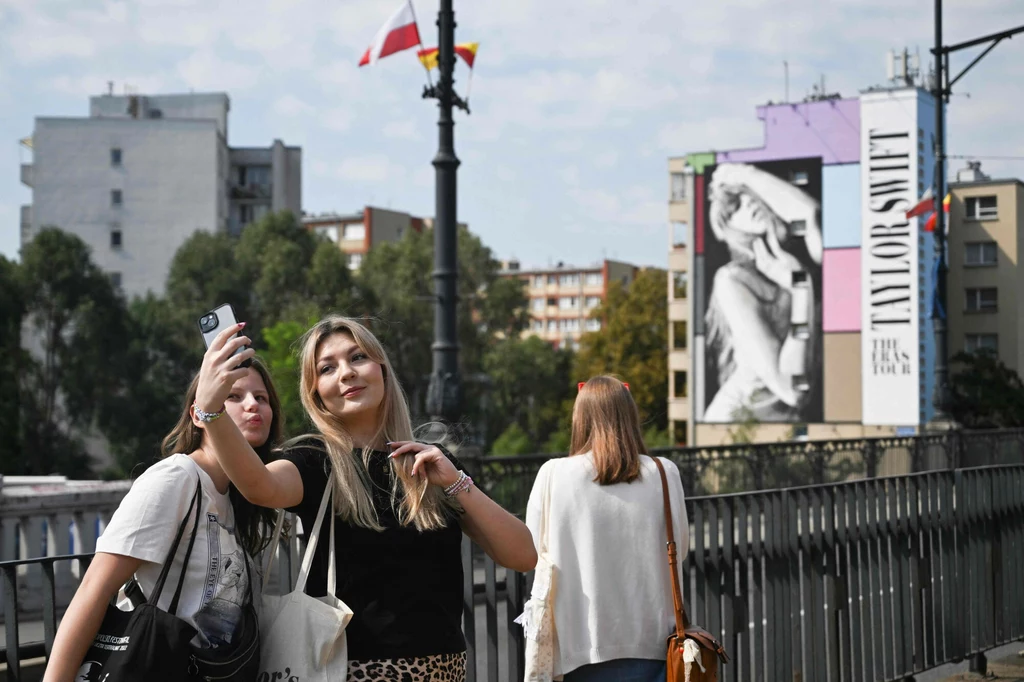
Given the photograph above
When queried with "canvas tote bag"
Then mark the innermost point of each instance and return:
(693, 653)
(538, 617)
(303, 637)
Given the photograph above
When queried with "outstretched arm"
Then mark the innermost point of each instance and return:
(276, 485)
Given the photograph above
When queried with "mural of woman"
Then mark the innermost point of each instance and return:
(763, 312)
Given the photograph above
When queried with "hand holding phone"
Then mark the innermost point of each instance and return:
(212, 323)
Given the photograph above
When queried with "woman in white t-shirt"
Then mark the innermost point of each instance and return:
(136, 541)
(606, 538)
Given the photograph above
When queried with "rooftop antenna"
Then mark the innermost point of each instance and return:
(110, 88)
(785, 68)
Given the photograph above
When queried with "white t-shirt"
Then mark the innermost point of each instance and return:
(144, 526)
(613, 598)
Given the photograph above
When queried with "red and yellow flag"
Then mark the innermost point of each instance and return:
(467, 51)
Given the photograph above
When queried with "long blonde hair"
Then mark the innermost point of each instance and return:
(422, 505)
(606, 423)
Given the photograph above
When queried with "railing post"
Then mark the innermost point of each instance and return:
(870, 454)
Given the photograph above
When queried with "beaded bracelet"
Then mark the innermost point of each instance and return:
(460, 486)
(204, 416)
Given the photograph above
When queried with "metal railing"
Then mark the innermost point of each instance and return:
(724, 469)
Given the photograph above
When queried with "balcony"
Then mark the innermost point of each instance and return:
(250, 191)
(26, 174)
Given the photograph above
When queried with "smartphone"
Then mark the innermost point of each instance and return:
(215, 321)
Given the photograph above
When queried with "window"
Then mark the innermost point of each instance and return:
(552, 326)
(981, 208)
(552, 280)
(552, 301)
(330, 232)
(569, 280)
(800, 432)
(592, 302)
(980, 253)
(538, 281)
(680, 233)
(116, 199)
(677, 187)
(679, 384)
(356, 231)
(115, 279)
(594, 279)
(115, 156)
(245, 214)
(572, 325)
(679, 334)
(568, 303)
(982, 300)
(538, 325)
(679, 284)
(115, 237)
(798, 177)
(537, 304)
(355, 260)
(679, 433)
(593, 325)
(981, 342)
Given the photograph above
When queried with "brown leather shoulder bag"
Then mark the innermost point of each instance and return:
(711, 651)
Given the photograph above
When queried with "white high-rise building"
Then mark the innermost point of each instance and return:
(141, 174)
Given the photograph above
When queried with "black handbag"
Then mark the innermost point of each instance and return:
(146, 644)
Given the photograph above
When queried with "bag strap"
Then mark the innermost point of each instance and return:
(545, 513)
(275, 544)
(158, 588)
(673, 559)
(314, 535)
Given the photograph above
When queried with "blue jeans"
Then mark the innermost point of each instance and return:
(619, 670)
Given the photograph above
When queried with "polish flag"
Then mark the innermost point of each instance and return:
(399, 33)
(926, 203)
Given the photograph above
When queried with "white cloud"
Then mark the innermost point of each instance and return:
(400, 129)
(290, 105)
(338, 119)
(204, 70)
(370, 168)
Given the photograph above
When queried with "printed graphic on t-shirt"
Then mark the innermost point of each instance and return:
(225, 590)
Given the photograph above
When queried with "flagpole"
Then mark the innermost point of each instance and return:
(444, 394)
(939, 308)
(416, 20)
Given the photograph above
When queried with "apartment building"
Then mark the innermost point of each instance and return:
(357, 233)
(680, 189)
(141, 174)
(985, 286)
(563, 297)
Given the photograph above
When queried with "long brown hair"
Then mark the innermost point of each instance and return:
(606, 423)
(416, 502)
(252, 523)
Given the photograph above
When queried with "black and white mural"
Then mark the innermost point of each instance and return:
(762, 254)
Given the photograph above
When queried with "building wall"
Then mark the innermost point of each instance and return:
(829, 129)
(1006, 231)
(212, 106)
(842, 377)
(724, 434)
(386, 226)
(169, 183)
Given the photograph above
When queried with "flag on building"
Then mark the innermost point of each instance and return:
(925, 203)
(397, 34)
(467, 51)
(929, 225)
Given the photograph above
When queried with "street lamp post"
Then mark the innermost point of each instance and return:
(444, 393)
(942, 89)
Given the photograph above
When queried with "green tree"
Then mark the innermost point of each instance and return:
(530, 380)
(12, 358)
(81, 329)
(633, 343)
(984, 393)
(281, 355)
(513, 441)
(396, 279)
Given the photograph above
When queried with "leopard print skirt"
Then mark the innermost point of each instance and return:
(439, 668)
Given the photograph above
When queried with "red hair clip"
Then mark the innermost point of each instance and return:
(626, 384)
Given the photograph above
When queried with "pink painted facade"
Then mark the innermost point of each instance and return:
(841, 290)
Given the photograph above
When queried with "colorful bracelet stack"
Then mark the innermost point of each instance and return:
(460, 486)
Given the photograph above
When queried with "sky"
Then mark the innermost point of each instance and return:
(576, 104)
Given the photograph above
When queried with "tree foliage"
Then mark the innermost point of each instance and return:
(633, 343)
(984, 393)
